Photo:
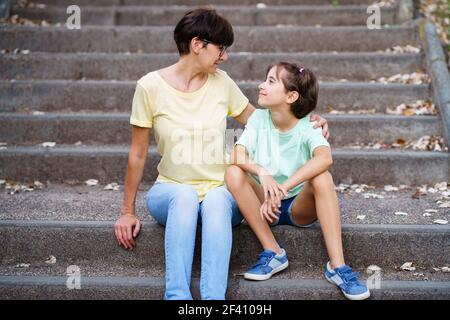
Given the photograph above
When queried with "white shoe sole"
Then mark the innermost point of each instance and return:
(361, 296)
(261, 277)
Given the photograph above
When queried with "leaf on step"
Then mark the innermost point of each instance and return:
(399, 213)
(261, 5)
(431, 210)
(92, 182)
(390, 188)
(440, 221)
(23, 265)
(112, 186)
(427, 214)
(403, 49)
(51, 260)
(361, 217)
(48, 144)
(408, 266)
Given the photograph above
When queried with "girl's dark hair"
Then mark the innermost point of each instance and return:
(206, 24)
(302, 80)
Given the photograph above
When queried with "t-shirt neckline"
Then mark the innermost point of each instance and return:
(182, 93)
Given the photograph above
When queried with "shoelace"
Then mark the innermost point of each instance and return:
(262, 259)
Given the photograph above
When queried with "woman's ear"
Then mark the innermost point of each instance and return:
(196, 45)
(292, 97)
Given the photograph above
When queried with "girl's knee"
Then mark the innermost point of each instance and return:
(234, 176)
(322, 181)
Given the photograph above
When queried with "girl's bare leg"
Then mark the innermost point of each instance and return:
(249, 197)
(318, 200)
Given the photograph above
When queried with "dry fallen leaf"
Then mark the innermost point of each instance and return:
(360, 217)
(389, 188)
(407, 266)
(399, 213)
(403, 49)
(112, 186)
(92, 182)
(440, 221)
(23, 265)
(420, 107)
(51, 260)
(48, 144)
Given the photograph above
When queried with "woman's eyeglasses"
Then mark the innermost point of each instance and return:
(221, 48)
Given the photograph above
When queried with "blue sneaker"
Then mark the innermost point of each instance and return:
(267, 265)
(347, 281)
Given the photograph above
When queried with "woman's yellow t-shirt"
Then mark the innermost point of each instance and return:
(189, 128)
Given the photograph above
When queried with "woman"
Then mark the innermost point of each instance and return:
(187, 104)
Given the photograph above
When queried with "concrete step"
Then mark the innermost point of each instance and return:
(157, 39)
(152, 288)
(47, 227)
(199, 2)
(81, 242)
(240, 65)
(95, 286)
(106, 128)
(79, 202)
(75, 96)
(237, 15)
(107, 163)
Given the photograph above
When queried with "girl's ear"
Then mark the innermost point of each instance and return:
(292, 97)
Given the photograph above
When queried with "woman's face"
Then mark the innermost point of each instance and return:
(272, 91)
(212, 55)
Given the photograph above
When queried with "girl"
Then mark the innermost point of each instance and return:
(288, 181)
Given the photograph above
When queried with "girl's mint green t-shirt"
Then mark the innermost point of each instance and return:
(281, 153)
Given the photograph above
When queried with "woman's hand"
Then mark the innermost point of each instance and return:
(273, 194)
(321, 122)
(126, 228)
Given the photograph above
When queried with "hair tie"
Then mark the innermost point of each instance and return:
(301, 70)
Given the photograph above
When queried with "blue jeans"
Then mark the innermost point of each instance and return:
(176, 206)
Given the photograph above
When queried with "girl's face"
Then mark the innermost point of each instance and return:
(272, 92)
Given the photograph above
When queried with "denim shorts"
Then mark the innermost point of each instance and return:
(285, 217)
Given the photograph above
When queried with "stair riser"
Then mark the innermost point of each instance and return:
(56, 288)
(32, 130)
(356, 67)
(364, 246)
(164, 16)
(201, 2)
(348, 167)
(108, 96)
(248, 39)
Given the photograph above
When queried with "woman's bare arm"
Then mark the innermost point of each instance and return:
(137, 155)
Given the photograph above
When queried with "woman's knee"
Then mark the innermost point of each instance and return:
(323, 181)
(234, 176)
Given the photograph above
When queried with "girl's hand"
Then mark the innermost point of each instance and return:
(273, 192)
(267, 213)
(124, 230)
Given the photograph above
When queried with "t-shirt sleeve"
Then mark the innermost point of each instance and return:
(237, 100)
(315, 139)
(141, 110)
(249, 137)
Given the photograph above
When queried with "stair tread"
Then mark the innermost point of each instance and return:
(65, 202)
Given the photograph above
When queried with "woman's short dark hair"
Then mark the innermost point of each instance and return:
(206, 24)
(302, 80)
